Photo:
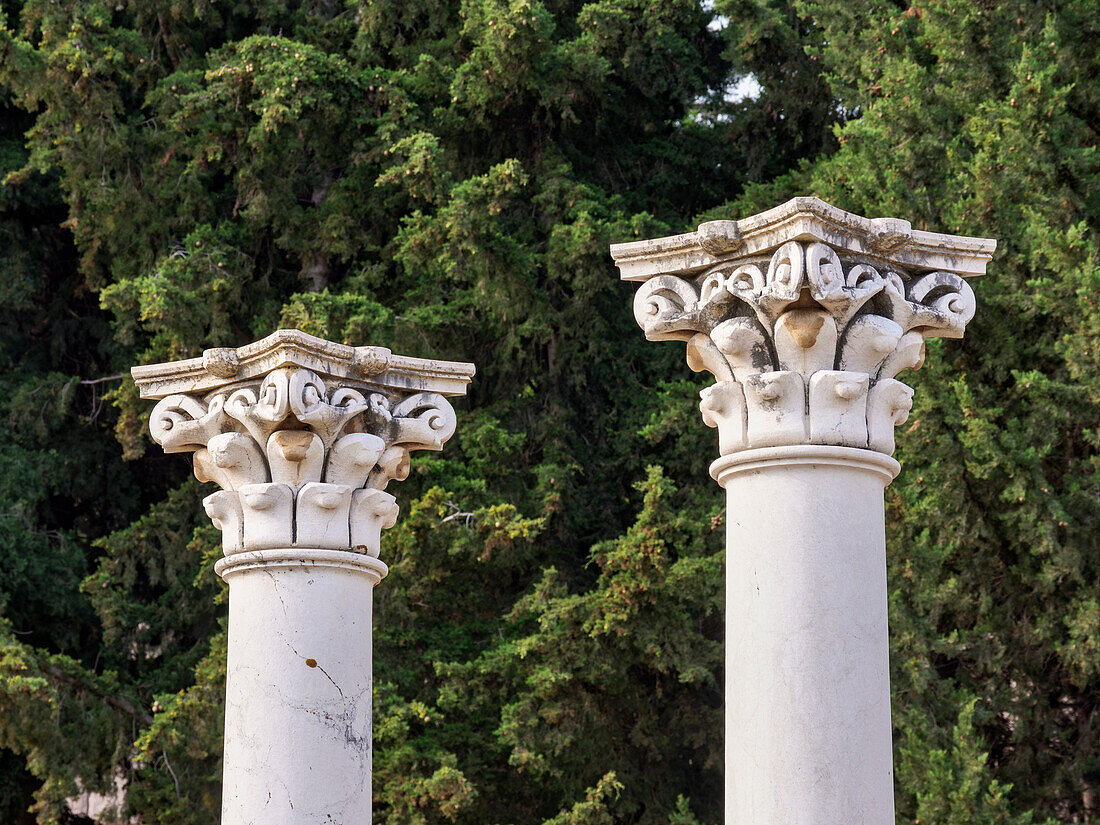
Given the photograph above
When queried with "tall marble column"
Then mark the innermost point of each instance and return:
(805, 314)
(303, 436)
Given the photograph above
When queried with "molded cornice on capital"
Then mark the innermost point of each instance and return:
(361, 367)
(302, 435)
(802, 219)
(805, 314)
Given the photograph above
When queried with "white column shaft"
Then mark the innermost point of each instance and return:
(298, 692)
(807, 728)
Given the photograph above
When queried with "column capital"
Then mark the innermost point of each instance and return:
(302, 435)
(804, 314)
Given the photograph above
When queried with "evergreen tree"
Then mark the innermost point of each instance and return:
(442, 178)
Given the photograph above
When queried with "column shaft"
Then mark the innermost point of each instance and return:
(298, 691)
(808, 735)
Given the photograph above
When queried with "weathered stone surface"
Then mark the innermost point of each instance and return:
(286, 424)
(807, 675)
(806, 310)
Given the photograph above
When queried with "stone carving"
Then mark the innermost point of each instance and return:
(804, 337)
(303, 459)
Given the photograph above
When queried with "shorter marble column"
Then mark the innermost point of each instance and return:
(303, 436)
(805, 314)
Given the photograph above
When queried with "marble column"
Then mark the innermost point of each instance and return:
(804, 315)
(302, 436)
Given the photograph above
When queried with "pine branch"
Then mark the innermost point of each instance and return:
(117, 702)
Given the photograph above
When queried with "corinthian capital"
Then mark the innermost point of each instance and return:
(302, 435)
(804, 314)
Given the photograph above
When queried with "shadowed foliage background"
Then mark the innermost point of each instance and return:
(443, 177)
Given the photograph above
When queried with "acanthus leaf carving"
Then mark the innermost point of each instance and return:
(224, 510)
(888, 405)
(231, 460)
(805, 341)
(776, 405)
(296, 457)
(703, 354)
(838, 408)
(868, 341)
(268, 515)
(723, 407)
(744, 345)
(352, 458)
(323, 515)
(372, 511)
(393, 465)
(907, 355)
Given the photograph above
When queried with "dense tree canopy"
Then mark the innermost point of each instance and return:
(443, 177)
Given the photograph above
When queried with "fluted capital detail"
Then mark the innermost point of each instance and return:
(804, 314)
(302, 435)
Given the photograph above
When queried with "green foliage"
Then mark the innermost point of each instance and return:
(593, 811)
(442, 177)
(952, 782)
